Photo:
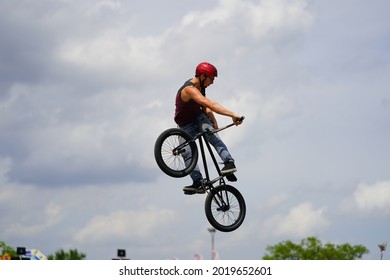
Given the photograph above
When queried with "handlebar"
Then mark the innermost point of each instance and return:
(227, 126)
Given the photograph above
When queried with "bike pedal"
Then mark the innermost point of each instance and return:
(200, 191)
(231, 177)
(189, 193)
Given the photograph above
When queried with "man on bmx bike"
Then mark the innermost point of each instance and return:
(194, 113)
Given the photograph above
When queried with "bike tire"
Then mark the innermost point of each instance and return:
(229, 217)
(174, 164)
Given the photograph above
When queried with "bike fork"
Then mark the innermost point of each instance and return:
(222, 200)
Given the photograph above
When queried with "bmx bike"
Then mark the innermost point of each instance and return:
(225, 207)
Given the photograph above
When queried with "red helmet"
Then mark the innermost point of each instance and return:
(207, 69)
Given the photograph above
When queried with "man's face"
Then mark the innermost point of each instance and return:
(208, 81)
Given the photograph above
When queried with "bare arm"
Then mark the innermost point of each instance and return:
(211, 116)
(193, 93)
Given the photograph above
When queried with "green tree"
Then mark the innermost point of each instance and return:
(312, 249)
(71, 255)
(5, 249)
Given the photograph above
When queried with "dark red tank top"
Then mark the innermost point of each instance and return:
(186, 112)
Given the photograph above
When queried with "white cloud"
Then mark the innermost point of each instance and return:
(35, 218)
(130, 57)
(257, 18)
(272, 18)
(301, 221)
(275, 108)
(276, 200)
(124, 225)
(122, 58)
(373, 198)
(248, 27)
(101, 6)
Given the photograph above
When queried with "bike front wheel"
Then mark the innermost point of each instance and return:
(175, 152)
(225, 208)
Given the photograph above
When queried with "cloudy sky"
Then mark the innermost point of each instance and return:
(87, 86)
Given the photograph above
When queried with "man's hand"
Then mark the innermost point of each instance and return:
(237, 120)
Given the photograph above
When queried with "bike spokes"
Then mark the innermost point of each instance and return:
(172, 155)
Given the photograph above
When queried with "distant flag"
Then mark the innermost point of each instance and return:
(214, 255)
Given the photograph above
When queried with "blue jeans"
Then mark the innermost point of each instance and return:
(201, 123)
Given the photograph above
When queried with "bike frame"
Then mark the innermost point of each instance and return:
(202, 136)
(223, 203)
(204, 160)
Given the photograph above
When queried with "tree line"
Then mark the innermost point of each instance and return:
(308, 249)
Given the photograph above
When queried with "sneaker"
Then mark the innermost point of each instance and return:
(196, 187)
(229, 168)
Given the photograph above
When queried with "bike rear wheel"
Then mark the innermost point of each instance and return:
(225, 208)
(171, 149)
